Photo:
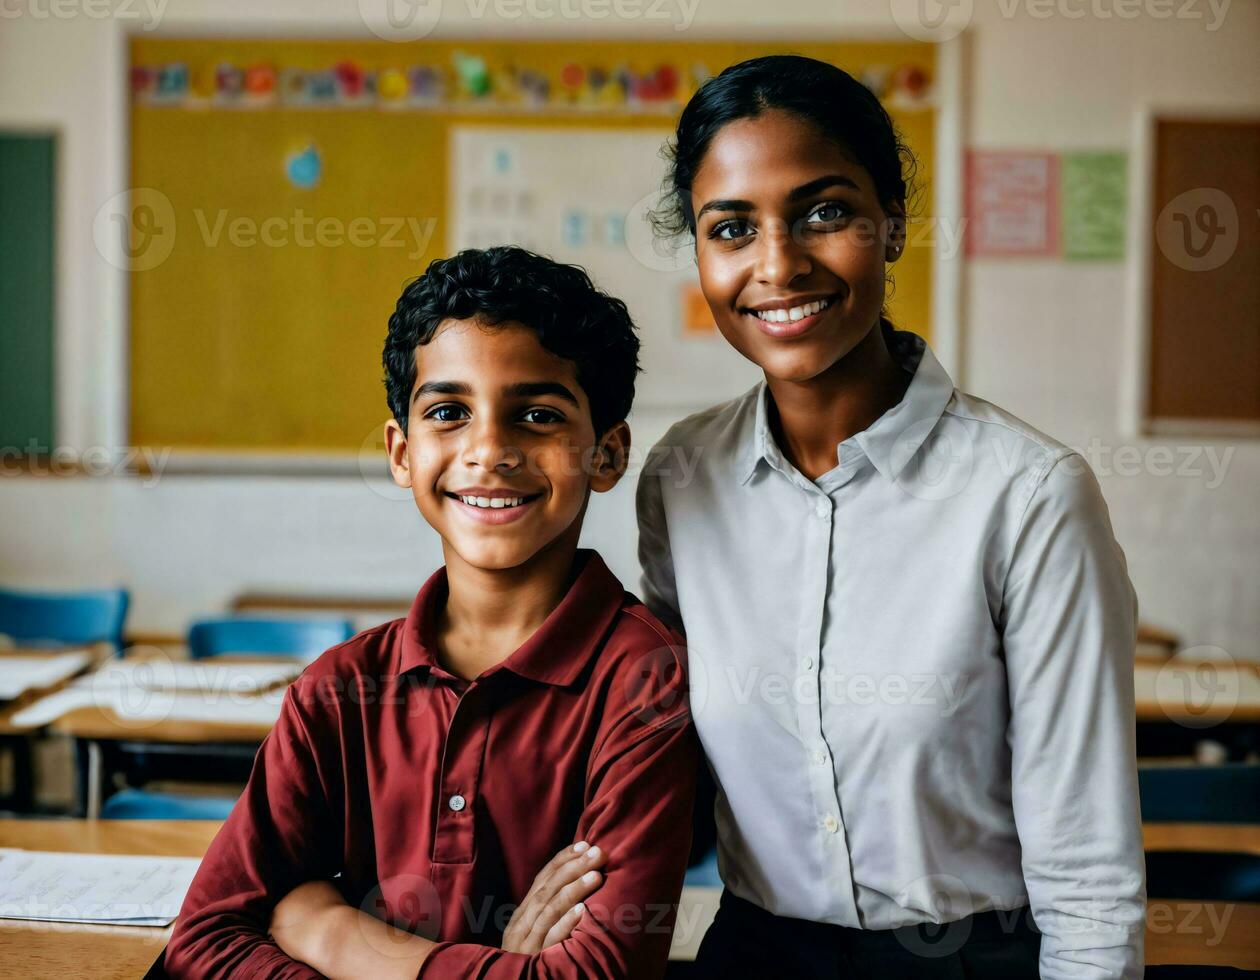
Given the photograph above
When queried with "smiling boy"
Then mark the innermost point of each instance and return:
(423, 773)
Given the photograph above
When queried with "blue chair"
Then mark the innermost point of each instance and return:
(138, 804)
(1203, 876)
(1228, 793)
(60, 619)
(704, 873)
(303, 638)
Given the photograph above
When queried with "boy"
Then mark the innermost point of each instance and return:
(434, 764)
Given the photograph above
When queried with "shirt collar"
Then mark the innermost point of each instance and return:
(893, 439)
(557, 651)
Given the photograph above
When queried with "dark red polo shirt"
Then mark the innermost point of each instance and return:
(438, 800)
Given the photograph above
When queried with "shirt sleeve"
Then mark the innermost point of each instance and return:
(1069, 622)
(276, 837)
(658, 588)
(640, 792)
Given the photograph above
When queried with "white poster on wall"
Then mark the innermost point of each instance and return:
(582, 196)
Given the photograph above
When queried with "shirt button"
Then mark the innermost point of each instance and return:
(806, 663)
(823, 510)
(457, 803)
(832, 824)
(820, 757)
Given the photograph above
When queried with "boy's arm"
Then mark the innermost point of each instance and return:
(640, 794)
(314, 924)
(277, 836)
(639, 808)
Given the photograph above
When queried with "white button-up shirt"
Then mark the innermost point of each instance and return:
(913, 676)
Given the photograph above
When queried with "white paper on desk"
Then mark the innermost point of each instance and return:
(227, 709)
(100, 888)
(20, 674)
(142, 707)
(48, 709)
(225, 677)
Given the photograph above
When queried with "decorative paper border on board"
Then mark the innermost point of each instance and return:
(1012, 204)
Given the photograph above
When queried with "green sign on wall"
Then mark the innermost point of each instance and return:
(1094, 192)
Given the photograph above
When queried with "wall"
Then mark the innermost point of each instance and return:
(1046, 340)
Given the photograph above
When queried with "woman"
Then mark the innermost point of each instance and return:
(910, 626)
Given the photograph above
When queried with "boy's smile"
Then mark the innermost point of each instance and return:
(500, 450)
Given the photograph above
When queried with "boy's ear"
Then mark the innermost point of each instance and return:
(396, 450)
(610, 458)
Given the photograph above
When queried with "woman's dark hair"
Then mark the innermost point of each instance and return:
(831, 99)
(573, 320)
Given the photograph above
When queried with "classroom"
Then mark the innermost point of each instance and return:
(875, 654)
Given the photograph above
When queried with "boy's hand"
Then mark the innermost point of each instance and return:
(553, 906)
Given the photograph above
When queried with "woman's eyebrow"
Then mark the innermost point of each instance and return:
(821, 184)
(796, 194)
(720, 205)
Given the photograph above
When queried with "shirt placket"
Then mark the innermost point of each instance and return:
(819, 762)
(460, 778)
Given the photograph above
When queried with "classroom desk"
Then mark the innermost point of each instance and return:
(98, 654)
(1177, 931)
(102, 737)
(1199, 694)
(39, 950)
(17, 738)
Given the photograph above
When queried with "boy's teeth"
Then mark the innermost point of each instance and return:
(795, 313)
(494, 503)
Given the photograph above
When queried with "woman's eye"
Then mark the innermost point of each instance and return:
(827, 214)
(446, 413)
(731, 229)
(542, 416)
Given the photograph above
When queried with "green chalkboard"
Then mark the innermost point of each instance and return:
(27, 165)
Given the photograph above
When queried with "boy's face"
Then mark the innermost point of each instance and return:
(500, 450)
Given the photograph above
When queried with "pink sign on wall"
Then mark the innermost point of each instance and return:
(1012, 204)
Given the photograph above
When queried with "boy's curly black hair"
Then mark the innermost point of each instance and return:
(573, 319)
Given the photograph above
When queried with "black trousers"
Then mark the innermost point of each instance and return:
(746, 941)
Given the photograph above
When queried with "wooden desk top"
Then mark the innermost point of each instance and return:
(1197, 693)
(1178, 931)
(102, 723)
(39, 950)
(1225, 837)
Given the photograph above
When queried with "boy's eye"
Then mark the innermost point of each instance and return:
(447, 413)
(541, 416)
(732, 229)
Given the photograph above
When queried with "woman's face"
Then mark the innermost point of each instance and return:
(791, 243)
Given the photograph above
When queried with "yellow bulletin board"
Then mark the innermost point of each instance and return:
(295, 186)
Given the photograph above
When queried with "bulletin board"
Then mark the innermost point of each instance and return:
(296, 186)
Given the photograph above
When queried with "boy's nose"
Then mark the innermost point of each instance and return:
(489, 448)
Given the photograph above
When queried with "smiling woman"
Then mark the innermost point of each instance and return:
(856, 518)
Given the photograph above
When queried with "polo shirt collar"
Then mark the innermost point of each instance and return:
(558, 650)
(891, 441)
